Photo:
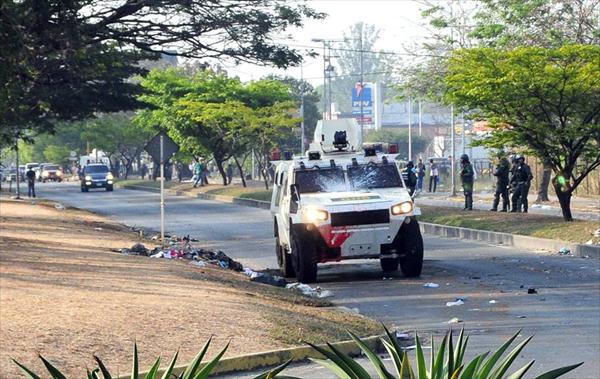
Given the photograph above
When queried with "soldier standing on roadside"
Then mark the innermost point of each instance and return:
(467, 177)
(501, 174)
(522, 180)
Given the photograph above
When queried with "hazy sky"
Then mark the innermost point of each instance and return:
(399, 22)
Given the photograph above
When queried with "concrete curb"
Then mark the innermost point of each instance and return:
(277, 357)
(494, 238)
(507, 239)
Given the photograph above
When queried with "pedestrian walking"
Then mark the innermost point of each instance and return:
(467, 178)
(433, 175)
(143, 170)
(30, 174)
(420, 174)
(179, 171)
(229, 173)
(522, 181)
(410, 177)
(198, 173)
(501, 174)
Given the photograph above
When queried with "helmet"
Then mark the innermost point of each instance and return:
(410, 164)
(464, 158)
(518, 157)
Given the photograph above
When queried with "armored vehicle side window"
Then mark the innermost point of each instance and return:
(321, 180)
(374, 176)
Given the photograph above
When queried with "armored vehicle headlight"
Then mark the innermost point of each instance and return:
(405, 207)
(314, 215)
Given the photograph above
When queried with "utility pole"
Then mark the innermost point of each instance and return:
(301, 110)
(409, 129)
(463, 133)
(420, 118)
(362, 117)
(453, 192)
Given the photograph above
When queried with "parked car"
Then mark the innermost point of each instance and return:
(96, 175)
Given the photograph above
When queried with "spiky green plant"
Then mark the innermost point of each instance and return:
(447, 363)
(193, 371)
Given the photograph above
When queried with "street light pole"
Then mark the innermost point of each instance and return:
(362, 117)
(301, 110)
(409, 129)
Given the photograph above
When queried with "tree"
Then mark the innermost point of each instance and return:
(65, 60)
(311, 108)
(359, 45)
(211, 113)
(545, 100)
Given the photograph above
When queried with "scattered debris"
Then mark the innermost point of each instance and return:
(198, 263)
(454, 320)
(458, 301)
(272, 280)
(597, 233)
(474, 277)
(403, 336)
(310, 291)
(431, 285)
(564, 251)
(531, 291)
(98, 228)
(492, 302)
(59, 206)
(521, 316)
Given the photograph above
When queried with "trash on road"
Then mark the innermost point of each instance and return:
(272, 280)
(310, 291)
(492, 301)
(531, 291)
(403, 336)
(564, 251)
(59, 206)
(454, 320)
(521, 316)
(431, 285)
(458, 301)
(198, 263)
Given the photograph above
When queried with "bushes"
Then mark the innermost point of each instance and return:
(448, 362)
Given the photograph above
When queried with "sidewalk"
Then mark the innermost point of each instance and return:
(583, 208)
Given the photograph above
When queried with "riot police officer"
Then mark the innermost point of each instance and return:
(521, 180)
(501, 174)
(467, 177)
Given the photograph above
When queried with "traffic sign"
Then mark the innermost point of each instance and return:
(169, 147)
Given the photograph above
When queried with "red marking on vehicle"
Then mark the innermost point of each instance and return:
(334, 236)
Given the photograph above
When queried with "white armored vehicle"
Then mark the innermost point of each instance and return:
(341, 201)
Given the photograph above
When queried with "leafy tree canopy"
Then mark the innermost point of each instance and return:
(71, 59)
(547, 100)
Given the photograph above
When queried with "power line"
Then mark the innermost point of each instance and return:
(366, 51)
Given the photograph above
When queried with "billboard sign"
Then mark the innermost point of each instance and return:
(362, 94)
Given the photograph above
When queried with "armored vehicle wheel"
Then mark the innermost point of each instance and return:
(304, 258)
(284, 260)
(389, 264)
(411, 247)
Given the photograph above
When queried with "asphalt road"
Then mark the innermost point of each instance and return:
(564, 315)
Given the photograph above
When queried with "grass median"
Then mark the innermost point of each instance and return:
(534, 225)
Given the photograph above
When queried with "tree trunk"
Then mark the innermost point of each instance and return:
(263, 170)
(221, 170)
(564, 198)
(544, 184)
(239, 166)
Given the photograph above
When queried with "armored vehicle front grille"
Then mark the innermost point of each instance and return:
(378, 216)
